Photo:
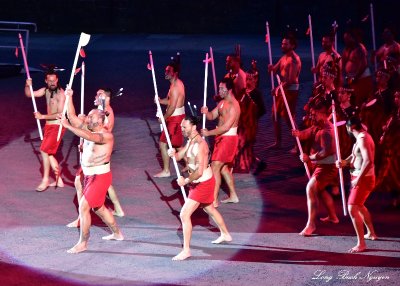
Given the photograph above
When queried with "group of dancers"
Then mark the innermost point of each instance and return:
(344, 94)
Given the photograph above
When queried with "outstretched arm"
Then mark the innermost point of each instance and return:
(73, 119)
(99, 138)
(36, 93)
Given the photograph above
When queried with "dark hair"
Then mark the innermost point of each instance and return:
(354, 122)
(321, 105)
(234, 58)
(228, 82)
(291, 35)
(194, 120)
(175, 63)
(329, 36)
(50, 72)
(108, 91)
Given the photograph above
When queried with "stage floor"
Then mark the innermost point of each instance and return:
(266, 248)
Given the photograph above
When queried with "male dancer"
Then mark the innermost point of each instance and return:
(173, 116)
(288, 66)
(322, 157)
(226, 140)
(102, 101)
(329, 55)
(355, 66)
(237, 74)
(55, 99)
(96, 156)
(361, 161)
(201, 183)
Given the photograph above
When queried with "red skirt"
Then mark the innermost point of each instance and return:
(202, 192)
(360, 193)
(174, 130)
(50, 144)
(325, 175)
(95, 189)
(225, 148)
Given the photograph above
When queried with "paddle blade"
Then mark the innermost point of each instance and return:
(84, 39)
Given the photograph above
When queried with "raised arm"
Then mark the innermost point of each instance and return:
(110, 117)
(73, 119)
(99, 138)
(36, 93)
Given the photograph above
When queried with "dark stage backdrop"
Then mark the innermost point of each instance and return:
(192, 17)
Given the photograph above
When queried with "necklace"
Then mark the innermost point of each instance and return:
(194, 137)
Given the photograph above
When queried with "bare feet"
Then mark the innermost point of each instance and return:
(222, 238)
(329, 219)
(75, 223)
(370, 236)
(113, 236)
(162, 174)
(79, 247)
(42, 187)
(308, 231)
(182, 255)
(234, 200)
(357, 248)
(119, 213)
(58, 184)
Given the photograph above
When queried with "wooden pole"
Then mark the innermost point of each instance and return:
(28, 76)
(83, 41)
(292, 123)
(213, 71)
(371, 7)
(312, 46)
(205, 88)
(339, 157)
(163, 122)
(272, 73)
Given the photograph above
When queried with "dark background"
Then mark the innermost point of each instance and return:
(196, 17)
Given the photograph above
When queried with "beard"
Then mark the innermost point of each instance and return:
(52, 87)
(351, 134)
